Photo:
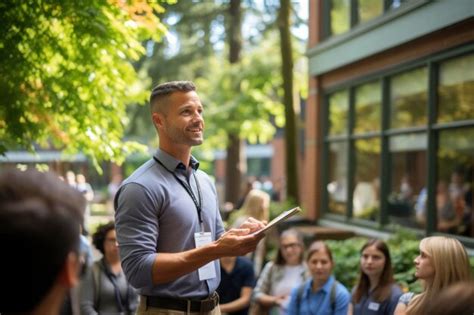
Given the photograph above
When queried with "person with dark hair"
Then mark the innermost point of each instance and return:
(279, 277)
(237, 282)
(105, 288)
(376, 292)
(169, 228)
(40, 218)
(322, 294)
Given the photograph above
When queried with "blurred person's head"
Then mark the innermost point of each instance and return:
(105, 240)
(320, 262)
(70, 177)
(456, 299)
(80, 179)
(257, 204)
(442, 261)
(291, 248)
(40, 218)
(375, 271)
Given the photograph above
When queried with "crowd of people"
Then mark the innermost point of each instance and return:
(168, 250)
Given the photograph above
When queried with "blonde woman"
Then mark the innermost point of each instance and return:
(257, 206)
(442, 262)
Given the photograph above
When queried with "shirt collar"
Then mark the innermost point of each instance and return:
(172, 163)
(325, 288)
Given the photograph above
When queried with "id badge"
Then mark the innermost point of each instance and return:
(207, 271)
(374, 306)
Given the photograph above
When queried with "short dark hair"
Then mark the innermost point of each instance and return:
(39, 226)
(98, 237)
(162, 91)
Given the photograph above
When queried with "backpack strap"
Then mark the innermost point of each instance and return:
(96, 271)
(299, 296)
(332, 296)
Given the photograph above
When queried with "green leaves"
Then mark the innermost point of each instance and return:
(66, 75)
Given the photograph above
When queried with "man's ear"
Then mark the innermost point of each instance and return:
(69, 276)
(157, 120)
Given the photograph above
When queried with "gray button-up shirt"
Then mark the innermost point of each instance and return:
(154, 214)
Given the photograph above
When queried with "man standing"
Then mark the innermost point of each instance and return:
(40, 218)
(168, 224)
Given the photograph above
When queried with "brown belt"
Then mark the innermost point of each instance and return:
(184, 305)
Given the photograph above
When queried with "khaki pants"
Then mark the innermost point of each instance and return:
(142, 310)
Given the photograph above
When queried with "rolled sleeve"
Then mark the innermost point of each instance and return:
(136, 221)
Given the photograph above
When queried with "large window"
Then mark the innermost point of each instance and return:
(401, 148)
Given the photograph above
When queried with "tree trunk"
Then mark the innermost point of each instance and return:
(234, 165)
(290, 127)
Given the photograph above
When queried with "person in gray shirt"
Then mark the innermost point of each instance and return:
(168, 225)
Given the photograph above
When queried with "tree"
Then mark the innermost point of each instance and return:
(235, 161)
(290, 118)
(66, 74)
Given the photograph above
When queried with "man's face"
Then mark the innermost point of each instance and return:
(183, 121)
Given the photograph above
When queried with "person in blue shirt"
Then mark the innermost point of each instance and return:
(376, 292)
(322, 294)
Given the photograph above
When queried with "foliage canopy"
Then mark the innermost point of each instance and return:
(66, 74)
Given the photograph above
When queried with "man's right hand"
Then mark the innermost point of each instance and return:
(238, 242)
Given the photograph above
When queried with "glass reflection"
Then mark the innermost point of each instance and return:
(338, 113)
(366, 202)
(408, 179)
(368, 105)
(337, 187)
(455, 181)
(456, 89)
(369, 9)
(340, 16)
(408, 101)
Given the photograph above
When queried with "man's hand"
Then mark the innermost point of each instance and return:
(253, 225)
(237, 242)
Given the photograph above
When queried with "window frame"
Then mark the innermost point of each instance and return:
(432, 130)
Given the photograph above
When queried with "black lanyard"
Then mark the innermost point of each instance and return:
(118, 296)
(197, 201)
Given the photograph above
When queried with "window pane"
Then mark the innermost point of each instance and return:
(455, 181)
(456, 89)
(368, 104)
(337, 187)
(369, 9)
(408, 178)
(365, 200)
(338, 113)
(409, 96)
(340, 16)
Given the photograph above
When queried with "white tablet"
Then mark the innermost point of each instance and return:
(283, 216)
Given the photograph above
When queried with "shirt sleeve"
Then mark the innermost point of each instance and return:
(249, 278)
(136, 224)
(343, 298)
